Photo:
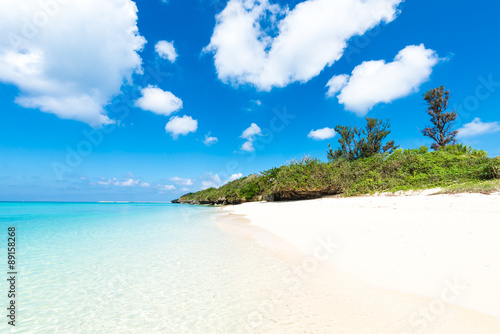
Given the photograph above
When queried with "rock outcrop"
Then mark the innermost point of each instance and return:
(283, 196)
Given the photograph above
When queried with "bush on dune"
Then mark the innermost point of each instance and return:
(382, 172)
(364, 163)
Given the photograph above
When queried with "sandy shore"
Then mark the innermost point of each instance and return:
(405, 264)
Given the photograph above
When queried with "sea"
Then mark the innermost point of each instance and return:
(135, 268)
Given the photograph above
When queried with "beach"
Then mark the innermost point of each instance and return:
(387, 264)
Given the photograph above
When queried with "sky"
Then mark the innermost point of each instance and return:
(116, 100)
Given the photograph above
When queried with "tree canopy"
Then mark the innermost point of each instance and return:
(361, 143)
(442, 122)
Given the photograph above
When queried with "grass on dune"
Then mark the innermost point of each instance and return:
(483, 187)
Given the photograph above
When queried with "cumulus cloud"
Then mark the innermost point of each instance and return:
(336, 83)
(376, 81)
(209, 140)
(249, 134)
(181, 181)
(322, 134)
(166, 50)
(212, 181)
(248, 146)
(69, 58)
(181, 126)
(234, 177)
(166, 187)
(215, 181)
(307, 39)
(476, 128)
(158, 101)
(251, 131)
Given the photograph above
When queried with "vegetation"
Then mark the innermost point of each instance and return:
(362, 143)
(440, 132)
(454, 165)
(363, 164)
(483, 187)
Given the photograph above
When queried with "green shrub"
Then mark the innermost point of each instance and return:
(401, 170)
(491, 171)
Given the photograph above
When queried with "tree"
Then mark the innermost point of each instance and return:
(376, 131)
(350, 146)
(361, 143)
(440, 132)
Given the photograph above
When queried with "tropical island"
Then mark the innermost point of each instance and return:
(366, 163)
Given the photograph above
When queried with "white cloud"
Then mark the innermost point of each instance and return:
(234, 177)
(376, 81)
(158, 101)
(321, 134)
(251, 131)
(181, 126)
(166, 50)
(214, 180)
(106, 182)
(249, 134)
(476, 128)
(69, 58)
(336, 83)
(248, 146)
(145, 185)
(166, 187)
(126, 183)
(181, 181)
(308, 38)
(130, 182)
(210, 140)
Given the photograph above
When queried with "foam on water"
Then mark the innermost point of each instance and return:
(137, 268)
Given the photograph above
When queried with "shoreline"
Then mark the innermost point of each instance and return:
(419, 249)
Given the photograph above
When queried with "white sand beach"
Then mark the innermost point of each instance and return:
(389, 264)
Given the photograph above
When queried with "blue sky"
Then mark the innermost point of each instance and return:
(94, 108)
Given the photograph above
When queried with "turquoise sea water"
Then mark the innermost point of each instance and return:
(132, 268)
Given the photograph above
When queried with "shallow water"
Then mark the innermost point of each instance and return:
(138, 268)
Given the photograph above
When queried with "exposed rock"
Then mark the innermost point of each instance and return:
(219, 201)
(299, 195)
(282, 196)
